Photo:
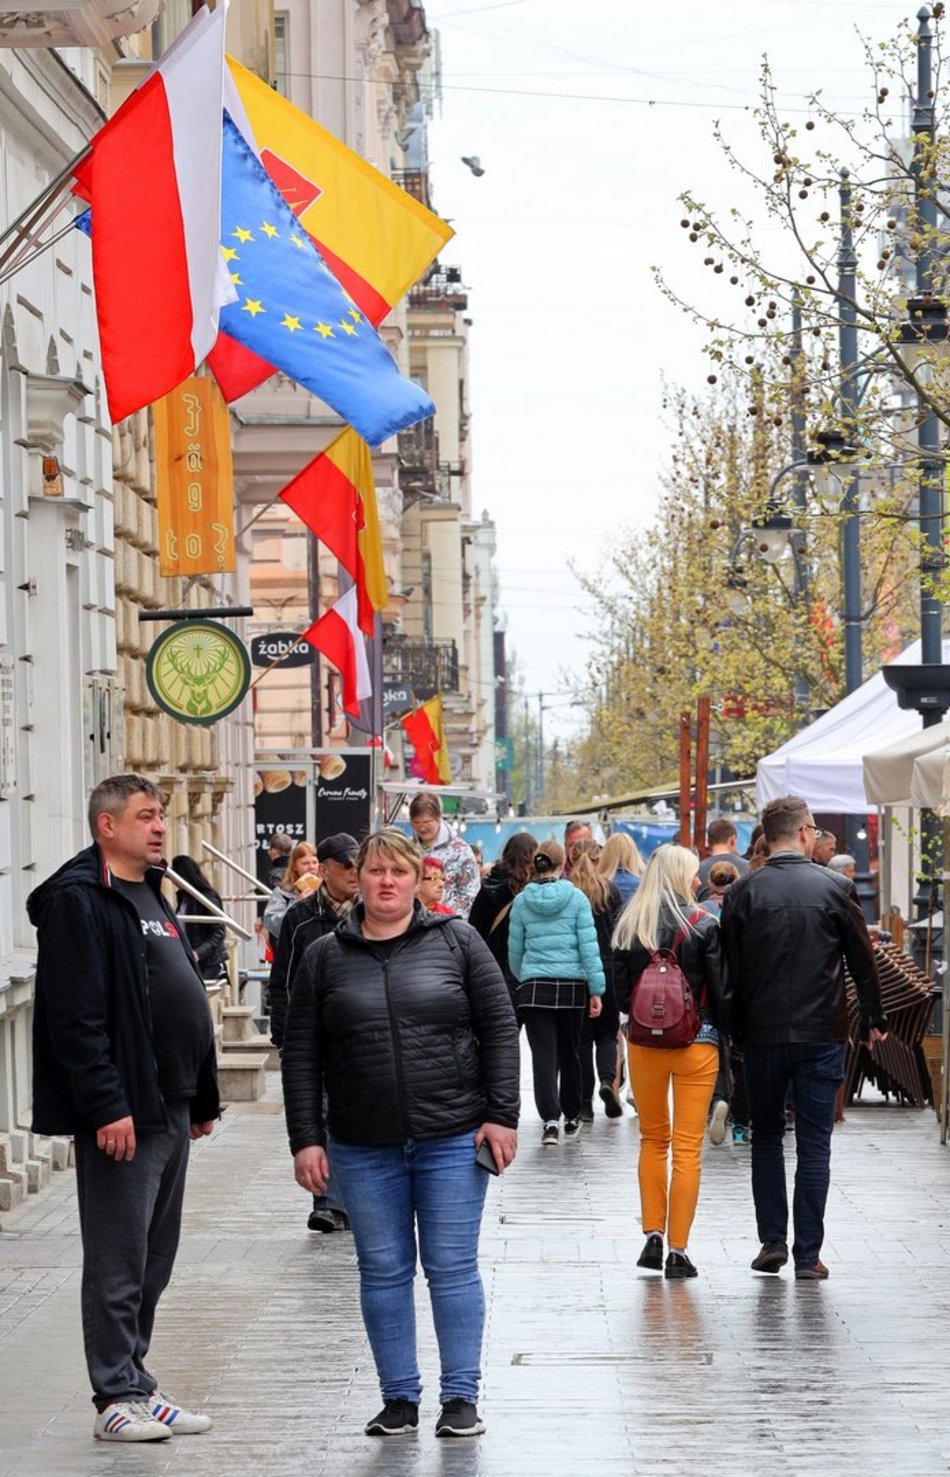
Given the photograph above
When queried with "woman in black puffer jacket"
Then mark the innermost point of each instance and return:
(404, 1018)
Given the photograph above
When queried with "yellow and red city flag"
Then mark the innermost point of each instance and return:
(425, 730)
(375, 237)
(195, 481)
(335, 495)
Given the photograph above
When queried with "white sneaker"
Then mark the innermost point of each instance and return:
(174, 1418)
(128, 1420)
(717, 1122)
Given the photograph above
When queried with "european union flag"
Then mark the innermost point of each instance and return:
(292, 311)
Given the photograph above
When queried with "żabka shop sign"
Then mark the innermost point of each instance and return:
(285, 647)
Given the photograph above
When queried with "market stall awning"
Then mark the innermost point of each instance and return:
(889, 772)
(824, 762)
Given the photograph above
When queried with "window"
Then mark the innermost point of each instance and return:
(281, 78)
(170, 24)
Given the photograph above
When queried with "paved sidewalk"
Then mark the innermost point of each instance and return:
(589, 1364)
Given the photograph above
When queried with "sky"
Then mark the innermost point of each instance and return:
(589, 120)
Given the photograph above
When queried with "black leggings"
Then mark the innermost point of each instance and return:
(554, 1038)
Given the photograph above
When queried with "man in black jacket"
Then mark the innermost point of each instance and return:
(788, 930)
(123, 1059)
(303, 924)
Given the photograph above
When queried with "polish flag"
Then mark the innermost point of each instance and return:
(337, 635)
(153, 180)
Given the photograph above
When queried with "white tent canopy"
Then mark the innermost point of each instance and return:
(824, 762)
(889, 774)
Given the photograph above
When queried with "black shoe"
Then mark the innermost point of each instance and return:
(587, 1113)
(771, 1258)
(572, 1129)
(458, 1418)
(326, 1220)
(610, 1100)
(679, 1265)
(651, 1256)
(397, 1418)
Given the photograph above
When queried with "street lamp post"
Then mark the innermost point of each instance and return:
(847, 410)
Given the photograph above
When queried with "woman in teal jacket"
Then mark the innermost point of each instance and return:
(554, 956)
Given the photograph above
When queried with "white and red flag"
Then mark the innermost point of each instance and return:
(337, 635)
(153, 180)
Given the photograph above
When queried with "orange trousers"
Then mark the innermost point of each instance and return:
(668, 1200)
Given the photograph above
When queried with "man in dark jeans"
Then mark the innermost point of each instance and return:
(787, 931)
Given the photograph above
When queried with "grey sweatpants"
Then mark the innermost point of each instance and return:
(130, 1218)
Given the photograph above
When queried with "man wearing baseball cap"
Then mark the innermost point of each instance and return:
(311, 918)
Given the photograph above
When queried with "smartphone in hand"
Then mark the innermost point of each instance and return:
(485, 1159)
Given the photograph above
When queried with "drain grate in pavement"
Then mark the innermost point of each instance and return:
(602, 1356)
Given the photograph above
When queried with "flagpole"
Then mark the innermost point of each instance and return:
(28, 260)
(28, 217)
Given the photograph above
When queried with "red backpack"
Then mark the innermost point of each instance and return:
(663, 1010)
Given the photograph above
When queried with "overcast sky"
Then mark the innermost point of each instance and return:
(589, 120)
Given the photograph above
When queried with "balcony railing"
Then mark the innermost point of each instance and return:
(427, 666)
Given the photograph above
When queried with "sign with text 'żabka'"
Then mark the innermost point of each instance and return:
(195, 480)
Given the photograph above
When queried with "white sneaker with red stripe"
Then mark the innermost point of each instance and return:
(175, 1418)
(128, 1420)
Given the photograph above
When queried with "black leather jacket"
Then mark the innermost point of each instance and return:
(414, 1041)
(787, 930)
(700, 958)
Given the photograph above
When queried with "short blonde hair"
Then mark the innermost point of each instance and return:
(425, 804)
(394, 845)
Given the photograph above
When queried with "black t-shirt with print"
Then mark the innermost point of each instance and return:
(181, 1021)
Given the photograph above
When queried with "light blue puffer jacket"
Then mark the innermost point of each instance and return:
(552, 936)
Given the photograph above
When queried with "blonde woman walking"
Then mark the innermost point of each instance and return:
(621, 863)
(662, 915)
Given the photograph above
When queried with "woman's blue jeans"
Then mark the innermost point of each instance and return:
(434, 1189)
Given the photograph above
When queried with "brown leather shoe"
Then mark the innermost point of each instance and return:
(817, 1273)
(771, 1258)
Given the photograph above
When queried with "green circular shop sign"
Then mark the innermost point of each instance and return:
(198, 671)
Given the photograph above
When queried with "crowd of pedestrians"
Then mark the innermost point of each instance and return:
(710, 990)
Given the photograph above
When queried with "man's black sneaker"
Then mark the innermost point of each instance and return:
(326, 1220)
(612, 1105)
(397, 1418)
(572, 1129)
(771, 1258)
(458, 1418)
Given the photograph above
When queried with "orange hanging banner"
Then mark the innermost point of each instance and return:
(195, 480)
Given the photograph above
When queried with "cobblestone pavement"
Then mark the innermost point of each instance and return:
(589, 1364)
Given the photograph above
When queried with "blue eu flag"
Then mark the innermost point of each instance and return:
(292, 311)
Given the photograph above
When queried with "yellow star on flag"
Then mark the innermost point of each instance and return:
(236, 279)
(298, 241)
(269, 230)
(355, 315)
(324, 330)
(229, 253)
(289, 321)
(347, 327)
(241, 234)
(253, 307)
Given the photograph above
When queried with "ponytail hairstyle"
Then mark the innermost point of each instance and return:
(548, 861)
(586, 876)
